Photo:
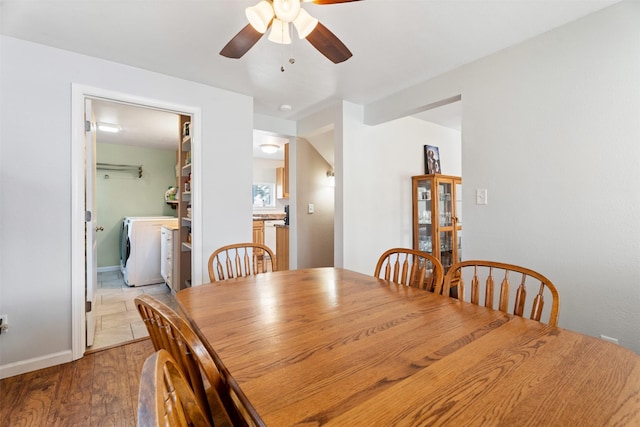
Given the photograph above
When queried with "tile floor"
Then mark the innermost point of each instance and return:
(117, 320)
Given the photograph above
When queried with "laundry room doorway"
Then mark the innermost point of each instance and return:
(136, 172)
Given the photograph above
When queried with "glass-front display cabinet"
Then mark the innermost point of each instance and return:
(437, 217)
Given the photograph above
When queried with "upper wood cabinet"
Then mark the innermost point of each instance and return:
(282, 176)
(437, 216)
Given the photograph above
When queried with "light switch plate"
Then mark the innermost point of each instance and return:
(310, 208)
(481, 196)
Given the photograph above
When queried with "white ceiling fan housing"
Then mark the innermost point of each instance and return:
(286, 10)
(281, 13)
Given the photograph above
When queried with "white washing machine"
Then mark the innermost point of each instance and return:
(140, 249)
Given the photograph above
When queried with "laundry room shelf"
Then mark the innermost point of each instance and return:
(184, 209)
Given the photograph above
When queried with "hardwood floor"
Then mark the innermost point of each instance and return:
(101, 389)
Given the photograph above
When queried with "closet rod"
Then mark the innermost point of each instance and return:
(114, 167)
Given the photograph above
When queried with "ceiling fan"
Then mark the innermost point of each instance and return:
(280, 16)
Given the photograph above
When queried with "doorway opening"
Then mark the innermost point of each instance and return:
(136, 158)
(82, 227)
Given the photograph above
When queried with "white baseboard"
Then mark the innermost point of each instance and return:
(109, 268)
(24, 366)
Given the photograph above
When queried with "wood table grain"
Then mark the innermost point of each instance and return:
(330, 346)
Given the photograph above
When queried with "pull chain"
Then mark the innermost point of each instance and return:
(291, 58)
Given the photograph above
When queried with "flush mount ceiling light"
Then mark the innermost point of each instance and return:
(269, 148)
(106, 127)
(280, 16)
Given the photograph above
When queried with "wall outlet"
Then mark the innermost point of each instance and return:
(4, 323)
(611, 340)
(310, 208)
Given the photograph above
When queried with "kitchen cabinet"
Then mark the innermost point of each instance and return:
(282, 176)
(282, 247)
(266, 229)
(258, 237)
(437, 216)
(184, 209)
(169, 256)
(258, 231)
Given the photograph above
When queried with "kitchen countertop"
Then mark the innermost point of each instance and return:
(268, 216)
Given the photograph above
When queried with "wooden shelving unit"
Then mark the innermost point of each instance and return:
(184, 209)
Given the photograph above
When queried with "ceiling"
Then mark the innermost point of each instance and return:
(395, 43)
(142, 127)
(147, 127)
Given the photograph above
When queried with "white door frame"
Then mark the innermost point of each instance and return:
(91, 230)
(78, 95)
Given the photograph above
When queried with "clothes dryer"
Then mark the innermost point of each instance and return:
(140, 249)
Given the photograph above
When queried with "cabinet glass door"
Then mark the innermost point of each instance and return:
(446, 249)
(425, 231)
(445, 220)
(458, 220)
(445, 208)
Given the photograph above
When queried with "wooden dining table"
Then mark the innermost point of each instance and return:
(329, 346)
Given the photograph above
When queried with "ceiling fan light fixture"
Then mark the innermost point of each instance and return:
(280, 32)
(281, 16)
(269, 148)
(286, 10)
(304, 23)
(259, 16)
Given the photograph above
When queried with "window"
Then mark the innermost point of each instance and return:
(264, 196)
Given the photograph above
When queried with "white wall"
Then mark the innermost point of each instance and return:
(314, 232)
(121, 194)
(379, 162)
(328, 120)
(550, 127)
(36, 182)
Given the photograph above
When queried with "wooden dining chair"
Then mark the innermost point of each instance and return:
(218, 392)
(488, 272)
(240, 259)
(410, 267)
(165, 397)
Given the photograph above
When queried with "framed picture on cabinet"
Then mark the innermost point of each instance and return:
(431, 160)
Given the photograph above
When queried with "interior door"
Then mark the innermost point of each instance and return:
(91, 221)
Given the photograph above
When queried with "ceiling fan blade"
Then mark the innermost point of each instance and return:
(328, 1)
(328, 44)
(241, 43)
